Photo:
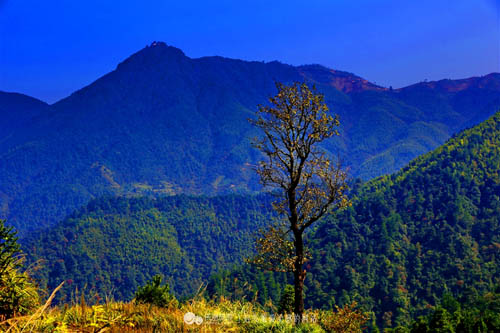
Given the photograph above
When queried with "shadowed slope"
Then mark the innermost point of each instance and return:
(163, 123)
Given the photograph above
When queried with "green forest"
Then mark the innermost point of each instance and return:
(114, 245)
(409, 238)
(418, 248)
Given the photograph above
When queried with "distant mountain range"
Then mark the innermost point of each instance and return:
(163, 123)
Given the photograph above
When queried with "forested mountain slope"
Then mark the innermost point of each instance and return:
(164, 123)
(113, 246)
(431, 228)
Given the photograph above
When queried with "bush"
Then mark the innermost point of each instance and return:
(287, 300)
(345, 320)
(18, 295)
(154, 293)
(9, 248)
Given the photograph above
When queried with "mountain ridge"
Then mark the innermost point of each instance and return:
(165, 123)
(452, 85)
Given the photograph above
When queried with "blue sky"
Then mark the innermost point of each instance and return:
(49, 49)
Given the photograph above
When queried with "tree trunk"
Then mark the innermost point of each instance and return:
(299, 277)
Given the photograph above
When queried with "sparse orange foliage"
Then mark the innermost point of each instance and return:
(347, 319)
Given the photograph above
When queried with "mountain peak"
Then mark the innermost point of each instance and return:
(163, 47)
(153, 53)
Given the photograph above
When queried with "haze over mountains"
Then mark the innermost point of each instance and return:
(163, 123)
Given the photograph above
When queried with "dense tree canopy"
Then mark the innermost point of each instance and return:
(431, 228)
(114, 245)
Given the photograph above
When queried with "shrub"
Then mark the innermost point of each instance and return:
(9, 248)
(345, 320)
(18, 295)
(287, 300)
(155, 293)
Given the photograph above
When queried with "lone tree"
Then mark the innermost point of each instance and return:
(306, 182)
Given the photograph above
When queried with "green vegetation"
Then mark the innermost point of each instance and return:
(410, 245)
(287, 300)
(479, 314)
(154, 293)
(9, 248)
(18, 295)
(112, 246)
(429, 229)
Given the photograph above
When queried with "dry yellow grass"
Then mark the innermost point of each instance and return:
(221, 315)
